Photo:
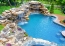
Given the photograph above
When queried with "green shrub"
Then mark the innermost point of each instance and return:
(26, 34)
(52, 8)
(1, 27)
(64, 21)
(48, 7)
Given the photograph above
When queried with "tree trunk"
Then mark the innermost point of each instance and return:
(22, 1)
(9, 3)
(52, 6)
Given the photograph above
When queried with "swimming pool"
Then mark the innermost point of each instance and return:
(41, 26)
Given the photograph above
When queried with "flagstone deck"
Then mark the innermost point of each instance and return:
(60, 17)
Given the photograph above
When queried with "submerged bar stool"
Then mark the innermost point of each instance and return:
(59, 33)
(62, 39)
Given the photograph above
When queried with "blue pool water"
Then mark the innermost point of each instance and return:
(41, 26)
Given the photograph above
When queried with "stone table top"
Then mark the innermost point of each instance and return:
(63, 33)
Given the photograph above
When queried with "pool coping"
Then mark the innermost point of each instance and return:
(56, 20)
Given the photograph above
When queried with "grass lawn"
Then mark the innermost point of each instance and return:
(58, 11)
(1, 27)
(3, 8)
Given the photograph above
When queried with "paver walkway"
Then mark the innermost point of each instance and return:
(60, 17)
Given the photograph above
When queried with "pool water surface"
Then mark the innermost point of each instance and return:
(41, 26)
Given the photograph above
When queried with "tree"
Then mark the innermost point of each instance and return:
(62, 5)
(1, 1)
(63, 21)
(21, 1)
(52, 8)
(9, 3)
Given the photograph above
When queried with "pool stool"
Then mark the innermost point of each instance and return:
(58, 34)
(62, 39)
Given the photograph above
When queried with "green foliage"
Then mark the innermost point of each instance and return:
(48, 7)
(1, 27)
(58, 11)
(2, 1)
(52, 8)
(8, 2)
(26, 34)
(12, 2)
(63, 9)
(63, 21)
(3, 8)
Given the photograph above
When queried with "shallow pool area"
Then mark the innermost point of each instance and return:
(39, 42)
(43, 27)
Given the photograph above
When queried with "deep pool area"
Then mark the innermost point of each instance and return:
(43, 27)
